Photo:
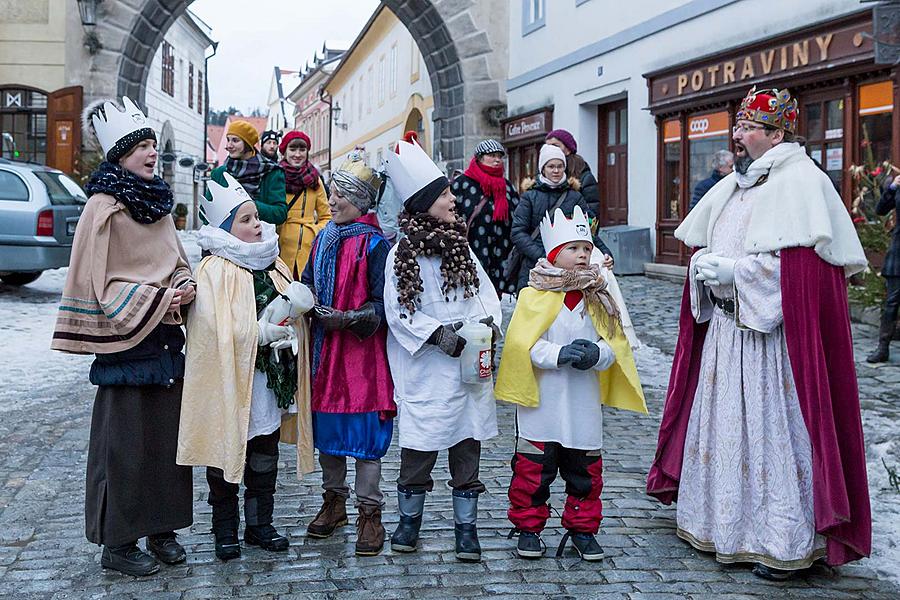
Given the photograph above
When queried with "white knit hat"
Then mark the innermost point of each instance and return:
(547, 154)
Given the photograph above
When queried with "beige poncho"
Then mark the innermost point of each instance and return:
(122, 278)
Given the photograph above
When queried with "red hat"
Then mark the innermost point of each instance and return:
(770, 107)
(293, 135)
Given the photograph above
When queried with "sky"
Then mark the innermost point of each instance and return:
(255, 36)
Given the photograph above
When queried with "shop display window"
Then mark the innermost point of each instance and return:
(671, 209)
(875, 123)
(824, 133)
(707, 134)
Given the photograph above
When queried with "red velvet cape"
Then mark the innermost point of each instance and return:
(817, 332)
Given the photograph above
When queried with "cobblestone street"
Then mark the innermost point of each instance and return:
(44, 423)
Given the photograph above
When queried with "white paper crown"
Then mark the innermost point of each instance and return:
(410, 169)
(224, 200)
(562, 230)
(113, 125)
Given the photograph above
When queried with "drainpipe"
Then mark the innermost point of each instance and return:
(196, 207)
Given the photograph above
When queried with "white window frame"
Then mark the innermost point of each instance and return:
(534, 15)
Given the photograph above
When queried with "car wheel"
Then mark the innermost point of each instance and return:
(20, 278)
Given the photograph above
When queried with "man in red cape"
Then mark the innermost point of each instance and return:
(761, 437)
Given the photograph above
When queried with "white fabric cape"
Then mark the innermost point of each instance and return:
(799, 209)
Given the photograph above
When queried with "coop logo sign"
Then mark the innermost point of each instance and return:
(699, 125)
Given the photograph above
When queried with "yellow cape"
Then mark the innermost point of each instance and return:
(535, 311)
(220, 355)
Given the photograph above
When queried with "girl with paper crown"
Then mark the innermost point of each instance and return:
(433, 285)
(565, 355)
(247, 383)
(127, 285)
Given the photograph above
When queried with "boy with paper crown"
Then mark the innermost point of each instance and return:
(352, 391)
(247, 383)
(565, 354)
(435, 284)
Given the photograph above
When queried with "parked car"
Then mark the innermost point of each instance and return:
(39, 209)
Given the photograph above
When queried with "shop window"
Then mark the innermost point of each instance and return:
(876, 103)
(671, 209)
(824, 135)
(707, 134)
(23, 125)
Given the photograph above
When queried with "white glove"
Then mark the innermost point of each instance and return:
(715, 270)
(269, 333)
(290, 341)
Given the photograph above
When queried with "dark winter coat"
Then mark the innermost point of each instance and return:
(890, 200)
(704, 186)
(535, 202)
(490, 240)
(590, 189)
(157, 360)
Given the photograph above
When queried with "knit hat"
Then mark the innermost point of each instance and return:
(245, 131)
(548, 153)
(565, 137)
(269, 134)
(292, 135)
(489, 146)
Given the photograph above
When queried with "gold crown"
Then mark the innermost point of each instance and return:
(355, 176)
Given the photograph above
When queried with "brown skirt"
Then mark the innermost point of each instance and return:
(134, 488)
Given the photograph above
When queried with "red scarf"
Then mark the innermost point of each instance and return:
(297, 179)
(493, 185)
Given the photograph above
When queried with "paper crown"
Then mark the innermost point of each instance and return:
(118, 131)
(356, 178)
(563, 230)
(770, 107)
(410, 169)
(224, 200)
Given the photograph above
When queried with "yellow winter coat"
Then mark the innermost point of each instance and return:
(220, 355)
(305, 219)
(535, 312)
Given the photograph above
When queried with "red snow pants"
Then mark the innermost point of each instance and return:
(534, 466)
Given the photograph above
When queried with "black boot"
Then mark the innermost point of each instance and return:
(585, 544)
(228, 545)
(166, 548)
(266, 537)
(885, 333)
(764, 572)
(128, 559)
(465, 515)
(411, 506)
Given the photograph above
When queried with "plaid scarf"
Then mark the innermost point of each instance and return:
(297, 179)
(250, 172)
(493, 185)
(147, 201)
(327, 246)
(547, 278)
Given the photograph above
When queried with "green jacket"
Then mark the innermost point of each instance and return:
(271, 200)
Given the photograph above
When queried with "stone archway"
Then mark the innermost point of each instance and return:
(463, 42)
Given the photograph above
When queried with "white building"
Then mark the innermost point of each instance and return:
(176, 106)
(649, 89)
(380, 90)
(312, 115)
(281, 109)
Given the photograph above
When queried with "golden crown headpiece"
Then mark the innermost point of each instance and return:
(356, 178)
(770, 107)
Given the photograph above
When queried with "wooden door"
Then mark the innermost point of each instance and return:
(64, 128)
(613, 163)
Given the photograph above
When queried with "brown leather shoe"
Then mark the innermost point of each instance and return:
(332, 515)
(369, 531)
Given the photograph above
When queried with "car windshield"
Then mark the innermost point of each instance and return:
(60, 188)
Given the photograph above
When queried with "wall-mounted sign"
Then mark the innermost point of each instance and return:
(529, 126)
(822, 48)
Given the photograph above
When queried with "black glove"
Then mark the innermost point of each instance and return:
(495, 331)
(591, 355)
(569, 354)
(362, 322)
(446, 338)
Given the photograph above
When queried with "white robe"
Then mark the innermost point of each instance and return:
(746, 490)
(570, 410)
(435, 409)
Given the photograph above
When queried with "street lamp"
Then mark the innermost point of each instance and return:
(336, 116)
(88, 11)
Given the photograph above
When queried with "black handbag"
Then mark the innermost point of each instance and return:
(513, 261)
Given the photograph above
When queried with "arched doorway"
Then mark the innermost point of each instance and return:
(416, 122)
(456, 40)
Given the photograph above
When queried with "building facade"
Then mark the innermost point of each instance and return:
(380, 90)
(176, 108)
(648, 121)
(280, 107)
(312, 114)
